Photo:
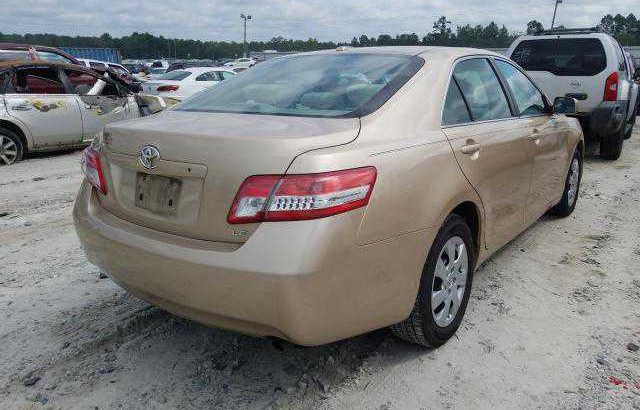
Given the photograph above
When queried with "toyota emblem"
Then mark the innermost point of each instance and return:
(149, 157)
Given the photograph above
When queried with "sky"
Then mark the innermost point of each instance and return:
(338, 20)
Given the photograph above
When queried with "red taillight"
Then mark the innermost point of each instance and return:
(611, 87)
(268, 198)
(168, 88)
(92, 169)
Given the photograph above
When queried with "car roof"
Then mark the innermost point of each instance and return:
(17, 46)
(425, 51)
(563, 35)
(6, 65)
(196, 70)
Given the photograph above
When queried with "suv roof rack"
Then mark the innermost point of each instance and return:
(586, 30)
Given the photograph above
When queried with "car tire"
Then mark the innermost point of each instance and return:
(11, 148)
(632, 123)
(432, 326)
(571, 191)
(611, 146)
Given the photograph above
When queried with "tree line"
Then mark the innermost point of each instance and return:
(145, 45)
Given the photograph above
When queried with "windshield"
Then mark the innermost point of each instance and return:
(326, 85)
(176, 75)
(562, 57)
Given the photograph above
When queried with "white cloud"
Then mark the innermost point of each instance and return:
(323, 19)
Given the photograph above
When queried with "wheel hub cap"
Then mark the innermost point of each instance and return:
(449, 281)
(574, 178)
(8, 150)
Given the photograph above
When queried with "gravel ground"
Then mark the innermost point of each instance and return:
(553, 321)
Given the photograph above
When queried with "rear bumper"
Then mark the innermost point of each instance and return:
(307, 282)
(606, 119)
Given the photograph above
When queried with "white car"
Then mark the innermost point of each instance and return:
(180, 84)
(155, 73)
(103, 65)
(591, 67)
(48, 106)
(241, 62)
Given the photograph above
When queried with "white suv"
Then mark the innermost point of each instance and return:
(590, 66)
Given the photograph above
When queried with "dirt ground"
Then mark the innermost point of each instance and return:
(553, 322)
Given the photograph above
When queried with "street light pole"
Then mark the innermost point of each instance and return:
(555, 10)
(245, 17)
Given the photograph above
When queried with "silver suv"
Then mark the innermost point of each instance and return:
(590, 66)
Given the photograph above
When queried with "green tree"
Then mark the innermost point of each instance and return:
(534, 26)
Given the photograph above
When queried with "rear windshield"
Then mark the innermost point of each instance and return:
(563, 57)
(176, 75)
(11, 55)
(324, 85)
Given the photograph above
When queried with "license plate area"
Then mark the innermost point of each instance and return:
(157, 194)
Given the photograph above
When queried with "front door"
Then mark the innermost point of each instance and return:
(100, 101)
(491, 146)
(37, 97)
(547, 140)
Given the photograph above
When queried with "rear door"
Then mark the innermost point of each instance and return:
(100, 101)
(567, 66)
(37, 97)
(491, 145)
(548, 140)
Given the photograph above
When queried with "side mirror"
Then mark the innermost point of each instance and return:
(564, 105)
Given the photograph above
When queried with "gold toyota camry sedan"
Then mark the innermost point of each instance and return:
(323, 195)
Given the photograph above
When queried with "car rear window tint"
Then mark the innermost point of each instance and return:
(177, 75)
(14, 55)
(562, 57)
(481, 89)
(455, 110)
(322, 85)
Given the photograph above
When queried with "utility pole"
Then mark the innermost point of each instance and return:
(555, 10)
(245, 17)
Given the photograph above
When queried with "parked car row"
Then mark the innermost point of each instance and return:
(180, 84)
(50, 100)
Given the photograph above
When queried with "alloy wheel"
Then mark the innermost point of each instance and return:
(8, 150)
(574, 178)
(449, 281)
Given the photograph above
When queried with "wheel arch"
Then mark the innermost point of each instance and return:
(18, 131)
(470, 212)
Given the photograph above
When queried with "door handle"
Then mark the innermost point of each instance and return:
(21, 107)
(470, 148)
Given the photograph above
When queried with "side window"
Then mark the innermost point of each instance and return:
(455, 109)
(48, 56)
(206, 77)
(37, 81)
(85, 84)
(226, 75)
(99, 66)
(482, 90)
(81, 82)
(528, 99)
(119, 70)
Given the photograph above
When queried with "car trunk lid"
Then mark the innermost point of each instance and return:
(203, 160)
(151, 87)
